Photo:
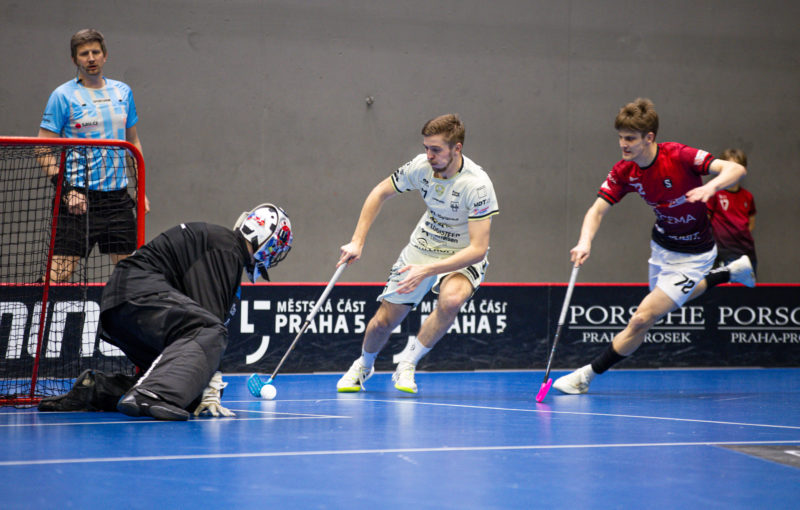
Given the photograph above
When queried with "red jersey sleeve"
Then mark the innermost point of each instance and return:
(614, 187)
(696, 159)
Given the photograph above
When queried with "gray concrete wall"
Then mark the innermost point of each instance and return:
(246, 101)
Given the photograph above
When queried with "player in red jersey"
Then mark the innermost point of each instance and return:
(668, 176)
(733, 216)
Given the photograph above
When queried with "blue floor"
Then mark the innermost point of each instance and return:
(640, 439)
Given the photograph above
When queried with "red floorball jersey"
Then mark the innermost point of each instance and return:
(730, 213)
(680, 226)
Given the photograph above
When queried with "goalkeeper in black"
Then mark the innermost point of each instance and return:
(167, 307)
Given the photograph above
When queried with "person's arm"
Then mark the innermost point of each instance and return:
(728, 174)
(591, 223)
(751, 223)
(479, 231)
(132, 136)
(48, 161)
(351, 251)
(75, 200)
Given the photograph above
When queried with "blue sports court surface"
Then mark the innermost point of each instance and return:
(640, 439)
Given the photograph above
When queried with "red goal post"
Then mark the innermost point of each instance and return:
(59, 232)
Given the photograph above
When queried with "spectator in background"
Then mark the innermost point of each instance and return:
(733, 216)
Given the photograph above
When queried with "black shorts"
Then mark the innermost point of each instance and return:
(110, 223)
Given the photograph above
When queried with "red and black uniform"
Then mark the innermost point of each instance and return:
(167, 305)
(730, 213)
(680, 226)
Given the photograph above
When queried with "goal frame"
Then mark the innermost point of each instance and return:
(32, 399)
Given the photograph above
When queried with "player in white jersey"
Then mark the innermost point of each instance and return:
(447, 251)
(92, 106)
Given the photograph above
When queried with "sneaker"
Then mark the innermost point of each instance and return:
(404, 377)
(574, 383)
(353, 380)
(142, 402)
(742, 271)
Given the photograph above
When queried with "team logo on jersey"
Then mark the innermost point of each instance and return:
(439, 189)
(454, 206)
(78, 125)
(699, 158)
(668, 183)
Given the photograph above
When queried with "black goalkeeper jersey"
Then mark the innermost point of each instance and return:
(200, 260)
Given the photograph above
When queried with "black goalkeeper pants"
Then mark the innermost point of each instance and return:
(178, 343)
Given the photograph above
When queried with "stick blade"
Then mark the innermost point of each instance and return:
(254, 384)
(543, 390)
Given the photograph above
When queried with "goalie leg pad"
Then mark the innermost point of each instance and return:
(92, 391)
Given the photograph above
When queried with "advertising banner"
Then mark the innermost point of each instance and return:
(504, 326)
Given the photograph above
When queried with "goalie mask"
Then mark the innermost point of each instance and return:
(269, 232)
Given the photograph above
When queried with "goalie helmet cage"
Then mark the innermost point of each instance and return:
(50, 303)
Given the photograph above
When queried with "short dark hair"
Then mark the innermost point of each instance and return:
(448, 125)
(84, 36)
(735, 155)
(640, 115)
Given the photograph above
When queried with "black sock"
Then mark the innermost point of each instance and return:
(606, 360)
(717, 276)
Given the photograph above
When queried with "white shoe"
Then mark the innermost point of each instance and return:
(742, 271)
(404, 377)
(574, 383)
(353, 380)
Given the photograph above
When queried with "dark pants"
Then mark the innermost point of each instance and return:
(178, 343)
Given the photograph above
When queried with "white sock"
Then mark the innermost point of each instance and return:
(368, 358)
(415, 352)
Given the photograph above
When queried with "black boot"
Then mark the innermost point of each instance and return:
(79, 398)
(143, 402)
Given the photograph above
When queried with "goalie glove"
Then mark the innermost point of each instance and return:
(210, 404)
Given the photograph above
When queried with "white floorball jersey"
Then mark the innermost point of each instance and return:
(452, 203)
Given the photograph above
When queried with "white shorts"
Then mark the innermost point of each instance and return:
(677, 273)
(410, 255)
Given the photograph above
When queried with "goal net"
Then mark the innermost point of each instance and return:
(60, 232)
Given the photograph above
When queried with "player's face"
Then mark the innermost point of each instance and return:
(635, 147)
(440, 155)
(90, 60)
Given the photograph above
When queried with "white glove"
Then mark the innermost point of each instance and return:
(210, 403)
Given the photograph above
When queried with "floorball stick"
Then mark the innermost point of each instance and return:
(254, 382)
(547, 381)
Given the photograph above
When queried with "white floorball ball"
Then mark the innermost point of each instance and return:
(268, 392)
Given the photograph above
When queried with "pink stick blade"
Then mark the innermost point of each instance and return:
(543, 390)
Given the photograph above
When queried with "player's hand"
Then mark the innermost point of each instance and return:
(416, 275)
(210, 404)
(76, 202)
(580, 253)
(349, 253)
(700, 194)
